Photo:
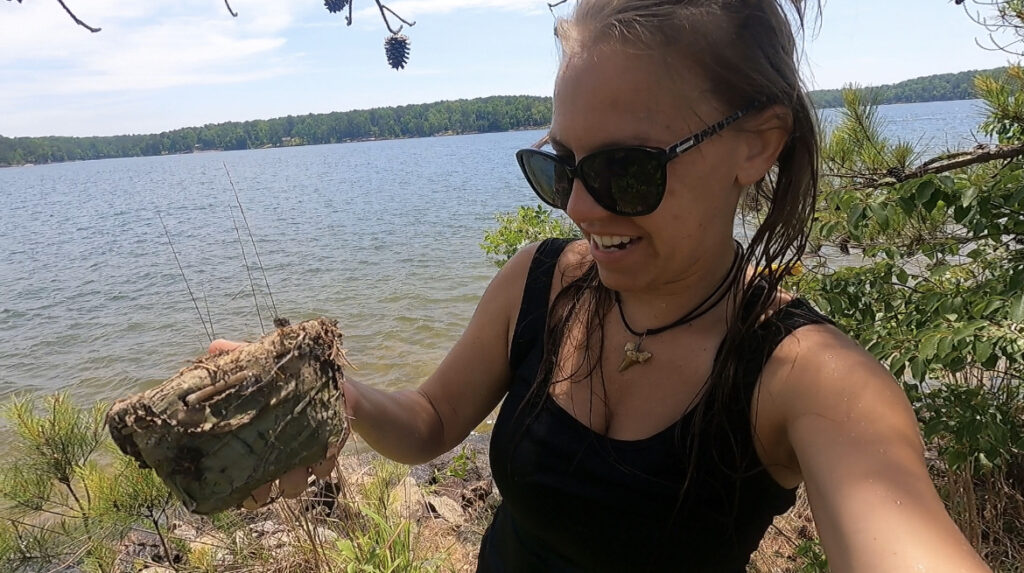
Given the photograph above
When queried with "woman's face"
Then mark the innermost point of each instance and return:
(613, 97)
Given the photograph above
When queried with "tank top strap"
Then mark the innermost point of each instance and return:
(795, 314)
(762, 342)
(736, 447)
(533, 310)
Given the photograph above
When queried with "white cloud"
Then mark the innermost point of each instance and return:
(143, 45)
(160, 64)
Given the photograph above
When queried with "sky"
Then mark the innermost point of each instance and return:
(159, 65)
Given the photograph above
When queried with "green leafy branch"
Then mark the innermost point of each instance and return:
(522, 227)
(933, 280)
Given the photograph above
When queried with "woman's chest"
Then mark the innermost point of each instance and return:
(628, 388)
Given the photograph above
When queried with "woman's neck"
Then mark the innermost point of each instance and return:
(712, 274)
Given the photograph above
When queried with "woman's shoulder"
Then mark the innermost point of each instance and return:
(566, 254)
(574, 260)
(817, 372)
(569, 256)
(557, 259)
(814, 349)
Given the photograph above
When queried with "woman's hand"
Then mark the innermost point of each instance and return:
(293, 483)
(222, 345)
(415, 426)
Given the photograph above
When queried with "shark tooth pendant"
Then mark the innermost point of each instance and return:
(633, 356)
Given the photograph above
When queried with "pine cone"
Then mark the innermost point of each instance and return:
(897, 173)
(397, 49)
(335, 6)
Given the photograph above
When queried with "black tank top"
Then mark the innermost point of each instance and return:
(574, 500)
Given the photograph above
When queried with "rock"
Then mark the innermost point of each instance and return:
(211, 548)
(143, 546)
(325, 536)
(259, 531)
(323, 497)
(479, 495)
(278, 541)
(468, 462)
(446, 509)
(407, 500)
(184, 531)
(478, 492)
(287, 540)
(264, 528)
(211, 447)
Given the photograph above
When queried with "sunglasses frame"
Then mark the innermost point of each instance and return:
(661, 157)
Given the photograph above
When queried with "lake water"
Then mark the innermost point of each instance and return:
(933, 127)
(383, 236)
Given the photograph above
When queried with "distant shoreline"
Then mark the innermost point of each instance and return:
(494, 114)
(270, 146)
(480, 115)
(449, 133)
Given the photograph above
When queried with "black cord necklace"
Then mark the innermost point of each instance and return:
(635, 355)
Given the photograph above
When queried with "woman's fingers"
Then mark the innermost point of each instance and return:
(221, 345)
(258, 497)
(295, 482)
(323, 469)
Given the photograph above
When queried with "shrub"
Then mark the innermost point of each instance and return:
(522, 227)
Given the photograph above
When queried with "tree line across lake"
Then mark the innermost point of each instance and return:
(490, 114)
(942, 87)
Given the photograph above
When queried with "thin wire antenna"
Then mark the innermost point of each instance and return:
(237, 294)
(259, 261)
(182, 271)
(209, 315)
(245, 261)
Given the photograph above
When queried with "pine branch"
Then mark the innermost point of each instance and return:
(152, 516)
(75, 18)
(980, 154)
(941, 164)
(385, 17)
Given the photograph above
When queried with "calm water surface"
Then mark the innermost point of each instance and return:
(383, 236)
(933, 127)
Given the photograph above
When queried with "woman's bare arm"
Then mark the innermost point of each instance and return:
(415, 426)
(854, 439)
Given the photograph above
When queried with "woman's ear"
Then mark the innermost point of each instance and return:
(764, 134)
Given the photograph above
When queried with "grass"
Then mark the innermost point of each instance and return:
(74, 501)
(780, 549)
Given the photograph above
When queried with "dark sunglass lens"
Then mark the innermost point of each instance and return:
(628, 181)
(549, 178)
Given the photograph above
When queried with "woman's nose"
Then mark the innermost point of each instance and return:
(582, 206)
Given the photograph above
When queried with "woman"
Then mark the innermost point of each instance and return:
(663, 398)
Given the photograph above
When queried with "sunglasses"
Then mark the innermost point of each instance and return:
(627, 181)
